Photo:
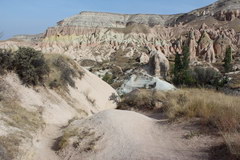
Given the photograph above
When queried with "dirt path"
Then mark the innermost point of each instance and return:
(120, 135)
(127, 135)
(44, 142)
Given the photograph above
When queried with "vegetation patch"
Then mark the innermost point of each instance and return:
(25, 122)
(109, 78)
(63, 141)
(213, 108)
(142, 99)
(34, 68)
(84, 139)
(19, 117)
(9, 146)
(6, 61)
(197, 76)
(31, 66)
(63, 70)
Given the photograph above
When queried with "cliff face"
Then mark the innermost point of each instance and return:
(111, 20)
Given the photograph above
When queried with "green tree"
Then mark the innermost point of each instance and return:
(182, 72)
(177, 63)
(186, 58)
(177, 69)
(228, 60)
(30, 65)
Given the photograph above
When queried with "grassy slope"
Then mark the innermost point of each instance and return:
(213, 108)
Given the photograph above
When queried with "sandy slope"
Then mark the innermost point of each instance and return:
(125, 135)
(90, 96)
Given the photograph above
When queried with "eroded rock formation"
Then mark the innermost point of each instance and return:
(159, 64)
(95, 36)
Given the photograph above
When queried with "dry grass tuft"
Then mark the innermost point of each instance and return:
(24, 121)
(63, 141)
(19, 117)
(84, 139)
(142, 99)
(218, 109)
(9, 146)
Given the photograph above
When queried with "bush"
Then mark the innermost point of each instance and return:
(109, 78)
(30, 65)
(54, 84)
(67, 72)
(141, 99)
(63, 72)
(6, 60)
(207, 76)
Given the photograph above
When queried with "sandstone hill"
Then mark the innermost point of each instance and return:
(116, 43)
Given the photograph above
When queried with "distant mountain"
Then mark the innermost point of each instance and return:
(222, 10)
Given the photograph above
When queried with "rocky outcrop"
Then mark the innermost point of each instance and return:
(221, 44)
(159, 64)
(144, 59)
(192, 46)
(222, 10)
(205, 48)
(143, 80)
(227, 15)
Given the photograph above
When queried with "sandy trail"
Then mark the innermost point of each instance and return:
(44, 142)
(121, 135)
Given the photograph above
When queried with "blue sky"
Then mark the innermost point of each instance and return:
(35, 16)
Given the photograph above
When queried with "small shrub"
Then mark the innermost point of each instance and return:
(30, 66)
(89, 99)
(141, 100)
(63, 141)
(207, 76)
(54, 84)
(6, 60)
(67, 72)
(63, 71)
(109, 78)
(114, 97)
